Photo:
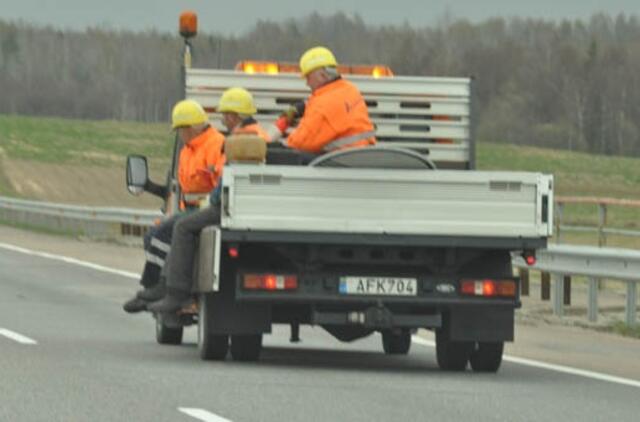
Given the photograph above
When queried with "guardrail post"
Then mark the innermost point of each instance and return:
(602, 213)
(567, 290)
(558, 293)
(631, 303)
(558, 213)
(545, 288)
(592, 305)
(524, 281)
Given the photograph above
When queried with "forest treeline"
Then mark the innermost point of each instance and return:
(562, 84)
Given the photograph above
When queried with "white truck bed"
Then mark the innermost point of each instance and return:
(404, 202)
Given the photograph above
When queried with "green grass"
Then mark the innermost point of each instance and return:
(106, 143)
(575, 174)
(103, 143)
(623, 329)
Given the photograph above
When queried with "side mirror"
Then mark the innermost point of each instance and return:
(137, 174)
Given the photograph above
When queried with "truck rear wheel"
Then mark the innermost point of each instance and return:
(396, 343)
(487, 357)
(246, 347)
(211, 346)
(452, 355)
(166, 334)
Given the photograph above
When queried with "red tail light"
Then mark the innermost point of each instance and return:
(488, 288)
(270, 282)
(529, 257)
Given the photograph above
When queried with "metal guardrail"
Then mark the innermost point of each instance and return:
(601, 229)
(102, 222)
(563, 261)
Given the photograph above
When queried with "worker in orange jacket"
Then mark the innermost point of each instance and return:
(334, 117)
(199, 169)
(237, 108)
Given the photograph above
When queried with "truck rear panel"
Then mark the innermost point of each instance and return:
(290, 199)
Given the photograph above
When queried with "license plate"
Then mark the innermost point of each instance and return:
(381, 286)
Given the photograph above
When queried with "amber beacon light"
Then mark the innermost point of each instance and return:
(188, 24)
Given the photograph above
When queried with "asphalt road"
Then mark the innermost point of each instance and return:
(92, 362)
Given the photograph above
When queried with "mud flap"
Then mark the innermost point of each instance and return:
(208, 261)
(478, 323)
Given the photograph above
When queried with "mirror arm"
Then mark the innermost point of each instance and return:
(156, 189)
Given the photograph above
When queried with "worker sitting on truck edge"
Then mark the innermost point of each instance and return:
(237, 108)
(199, 169)
(184, 240)
(335, 115)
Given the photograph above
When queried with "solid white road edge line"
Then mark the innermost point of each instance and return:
(16, 337)
(69, 260)
(549, 366)
(202, 414)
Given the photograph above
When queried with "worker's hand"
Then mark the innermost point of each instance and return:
(294, 112)
(282, 124)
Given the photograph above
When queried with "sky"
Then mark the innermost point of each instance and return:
(236, 17)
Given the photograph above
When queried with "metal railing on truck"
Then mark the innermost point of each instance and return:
(431, 115)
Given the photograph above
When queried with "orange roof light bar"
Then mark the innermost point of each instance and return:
(273, 68)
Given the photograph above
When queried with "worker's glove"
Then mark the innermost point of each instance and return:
(282, 124)
(294, 112)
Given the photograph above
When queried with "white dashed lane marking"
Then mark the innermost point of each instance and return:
(12, 335)
(202, 414)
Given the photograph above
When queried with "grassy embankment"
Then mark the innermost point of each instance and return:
(106, 143)
(71, 142)
(75, 161)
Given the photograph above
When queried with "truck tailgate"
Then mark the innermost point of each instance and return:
(416, 202)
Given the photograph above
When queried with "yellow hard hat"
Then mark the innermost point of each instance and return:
(237, 100)
(188, 113)
(315, 58)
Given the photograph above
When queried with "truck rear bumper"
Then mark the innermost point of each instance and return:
(421, 302)
(376, 318)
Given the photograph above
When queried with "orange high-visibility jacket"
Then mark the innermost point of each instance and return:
(334, 111)
(252, 127)
(197, 158)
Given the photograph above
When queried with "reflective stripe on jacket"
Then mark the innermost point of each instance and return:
(348, 141)
(198, 158)
(334, 111)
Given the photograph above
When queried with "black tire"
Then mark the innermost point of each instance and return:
(397, 343)
(246, 348)
(166, 334)
(487, 357)
(452, 355)
(210, 346)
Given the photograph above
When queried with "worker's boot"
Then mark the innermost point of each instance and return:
(172, 302)
(135, 305)
(152, 293)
